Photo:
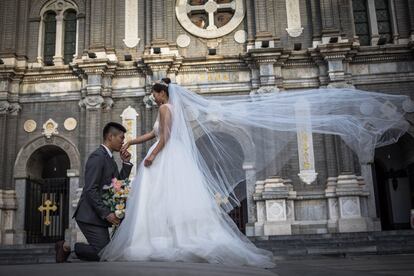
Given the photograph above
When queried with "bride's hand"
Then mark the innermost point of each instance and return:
(125, 146)
(148, 161)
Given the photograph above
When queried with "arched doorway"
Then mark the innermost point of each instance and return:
(47, 195)
(238, 214)
(394, 183)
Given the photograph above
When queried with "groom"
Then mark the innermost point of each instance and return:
(91, 215)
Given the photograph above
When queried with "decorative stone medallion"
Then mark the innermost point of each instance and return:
(29, 126)
(183, 41)
(70, 124)
(240, 36)
(50, 128)
(210, 19)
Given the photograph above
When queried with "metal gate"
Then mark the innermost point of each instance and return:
(47, 210)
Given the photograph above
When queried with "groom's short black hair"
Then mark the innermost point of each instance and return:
(112, 127)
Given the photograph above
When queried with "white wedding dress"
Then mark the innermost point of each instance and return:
(172, 213)
(171, 216)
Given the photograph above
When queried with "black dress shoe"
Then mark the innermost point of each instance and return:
(61, 255)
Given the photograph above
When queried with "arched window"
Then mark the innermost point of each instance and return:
(69, 48)
(383, 19)
(372, 21)
(57, 32)
(49, 44)
(361, 22)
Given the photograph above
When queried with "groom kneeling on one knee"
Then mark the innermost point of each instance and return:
(92, 215)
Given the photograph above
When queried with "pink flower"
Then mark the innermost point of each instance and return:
(117, 185)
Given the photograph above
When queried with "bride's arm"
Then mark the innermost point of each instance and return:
(143, 138)
(165, 130)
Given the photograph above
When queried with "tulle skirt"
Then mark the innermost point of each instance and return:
(172, 216)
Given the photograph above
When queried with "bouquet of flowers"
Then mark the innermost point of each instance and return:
(115, 196)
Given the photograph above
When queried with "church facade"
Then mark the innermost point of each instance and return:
(67, 67)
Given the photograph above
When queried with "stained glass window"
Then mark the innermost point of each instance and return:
(50, 38)
(361, 22)
(69, 48)
(383, 18)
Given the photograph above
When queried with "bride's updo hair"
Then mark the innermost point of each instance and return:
(162, 86)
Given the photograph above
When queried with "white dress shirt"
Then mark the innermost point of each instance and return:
(111, 155)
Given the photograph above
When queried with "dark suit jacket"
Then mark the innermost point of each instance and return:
(99, 171)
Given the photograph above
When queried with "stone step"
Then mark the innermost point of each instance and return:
(340, 244)
(27, 254)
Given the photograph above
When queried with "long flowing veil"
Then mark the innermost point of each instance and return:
(270, 123)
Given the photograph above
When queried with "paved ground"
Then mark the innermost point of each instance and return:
(398, 265)
(369, 265)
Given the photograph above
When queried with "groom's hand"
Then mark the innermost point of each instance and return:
(113, 219)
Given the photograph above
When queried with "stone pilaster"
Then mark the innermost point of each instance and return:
(96, 97)
(58, 57)
(411, 17)
(316, 23)
(97, 25)
(336, 55)
(274, 206)
(9, 27)
(373, 22)
(8, 208)
(333, 208)
(349, 193)
(330, 19)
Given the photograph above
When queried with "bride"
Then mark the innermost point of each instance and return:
(177, 209)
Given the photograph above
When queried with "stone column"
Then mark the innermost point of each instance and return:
(373, 23)
(97, 25)
(394, 24)
(333, 209)
(260, 216)
(275, 194)
(4, 106)
(260, 8)
(71, 233)
(158, 19)
(20, 233)
(349, 192)
(58, 57)
(80, 34)
(366, 173)
(330, 19)
(250, 190)
(7, 216)
(316, 23)
(411, 17)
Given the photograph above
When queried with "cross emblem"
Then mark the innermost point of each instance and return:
(211, 7)
(47, 207)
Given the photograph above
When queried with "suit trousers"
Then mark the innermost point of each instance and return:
(97, 237)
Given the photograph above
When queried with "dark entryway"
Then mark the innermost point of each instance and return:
(239, 213)
(394, 183)
(47, 195)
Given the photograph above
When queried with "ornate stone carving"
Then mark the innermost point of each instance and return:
(183, 41)
(276, 210)
(70, 124)
(4, 107)
(129, 120)
(29, 126)
(50, 128)
(265, 89)
(349, 207)
(305, 142)
(211, 19)
(294, 28)
(92, 102)
(131, 23)
(240, 36)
